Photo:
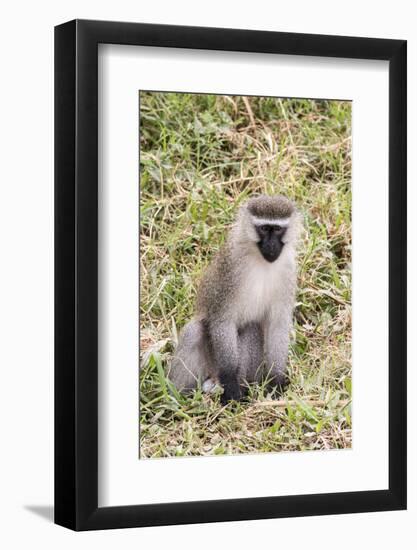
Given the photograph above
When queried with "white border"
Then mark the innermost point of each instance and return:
(123, 479)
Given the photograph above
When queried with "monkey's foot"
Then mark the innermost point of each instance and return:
(280, 383)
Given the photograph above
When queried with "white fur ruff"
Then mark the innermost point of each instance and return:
(264, 286)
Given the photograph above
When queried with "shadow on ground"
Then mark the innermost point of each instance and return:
(45, 512)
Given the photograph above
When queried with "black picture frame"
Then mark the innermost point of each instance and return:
(76, 272)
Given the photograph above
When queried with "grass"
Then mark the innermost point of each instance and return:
(201, 156)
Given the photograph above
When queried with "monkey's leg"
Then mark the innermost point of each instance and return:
(224, 349)
(251, 351)
(250, 348)
(190, 363)
(276, 342)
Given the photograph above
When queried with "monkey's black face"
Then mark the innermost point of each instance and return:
(270, 243)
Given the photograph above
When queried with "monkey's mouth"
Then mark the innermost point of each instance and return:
(271, 250)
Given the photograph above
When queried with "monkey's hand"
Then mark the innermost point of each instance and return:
(231, 389)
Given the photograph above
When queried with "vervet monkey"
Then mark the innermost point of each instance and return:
(245, 304)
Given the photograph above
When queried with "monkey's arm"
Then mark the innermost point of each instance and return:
(224, 346)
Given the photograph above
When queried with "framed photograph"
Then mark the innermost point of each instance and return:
(230, 275)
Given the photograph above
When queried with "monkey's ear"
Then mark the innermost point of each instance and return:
(298, 224)
(244, 206)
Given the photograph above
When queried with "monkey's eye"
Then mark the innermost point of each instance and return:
(277, 228)
(264, 228)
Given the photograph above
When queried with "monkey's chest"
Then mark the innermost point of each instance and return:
(259, 290)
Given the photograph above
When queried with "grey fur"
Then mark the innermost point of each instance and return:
(244, 308)
(274, 207)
